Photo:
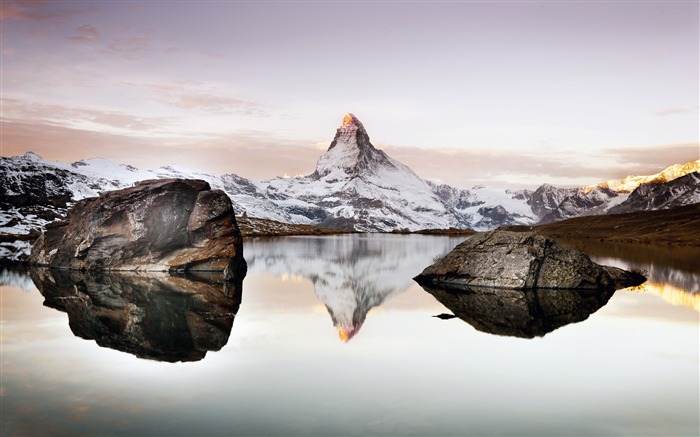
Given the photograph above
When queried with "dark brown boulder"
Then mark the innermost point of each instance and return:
(522, 260)
(157, 225)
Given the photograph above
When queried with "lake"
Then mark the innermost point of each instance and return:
(330, 336)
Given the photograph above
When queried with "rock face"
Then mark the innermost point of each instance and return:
(157, 225)
(522, 260)
(155, 316)
(520, 313)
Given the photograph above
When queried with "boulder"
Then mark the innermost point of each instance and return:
(157, 225)
(522, 260)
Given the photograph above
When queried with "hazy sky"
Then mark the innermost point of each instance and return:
(569, 93)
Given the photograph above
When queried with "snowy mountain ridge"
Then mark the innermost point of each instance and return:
(354, 186)
(630, 183)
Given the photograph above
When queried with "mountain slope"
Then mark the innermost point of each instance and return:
(682, 191)
(358, 186)
(606, 196)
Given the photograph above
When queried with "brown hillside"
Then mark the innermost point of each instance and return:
(677, 226)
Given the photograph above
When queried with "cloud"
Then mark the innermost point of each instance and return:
(39, 10)
(58, 115)
(55, 132)
(85, 32)
(466, 167)
(649, 160)
(194, 95)
(249, 154)
(129, 45)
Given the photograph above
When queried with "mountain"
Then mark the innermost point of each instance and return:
(360, 187)
(354, 186)
(630, 183)
(682, 191)
(605, 197)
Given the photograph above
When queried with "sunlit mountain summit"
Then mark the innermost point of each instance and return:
(352, 154)
(357, 186)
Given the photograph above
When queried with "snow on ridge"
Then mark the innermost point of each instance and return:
(630, 183)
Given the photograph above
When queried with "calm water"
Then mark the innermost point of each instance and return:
(332, 337)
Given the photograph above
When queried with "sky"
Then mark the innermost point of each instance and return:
(509, 93)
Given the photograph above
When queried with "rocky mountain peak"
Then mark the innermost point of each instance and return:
(351, 153)
(351, 134)
(350, 121)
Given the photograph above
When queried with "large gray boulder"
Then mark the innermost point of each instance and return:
(157, 225)
(522, 260)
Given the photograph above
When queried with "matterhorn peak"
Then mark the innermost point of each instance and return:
(351, 133)
(351, 122)
(351, 153)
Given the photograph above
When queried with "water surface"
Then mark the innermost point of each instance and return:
(333, 338)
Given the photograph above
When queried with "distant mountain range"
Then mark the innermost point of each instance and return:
(355, 186)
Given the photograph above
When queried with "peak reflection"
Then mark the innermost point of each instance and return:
(351, 274)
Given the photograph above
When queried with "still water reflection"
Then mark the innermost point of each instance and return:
(630, 369)
(673, 273)
(520, 313)
(154, 316)
(350, 275)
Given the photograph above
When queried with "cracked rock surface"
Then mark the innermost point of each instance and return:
(156, 225)
(522, 260)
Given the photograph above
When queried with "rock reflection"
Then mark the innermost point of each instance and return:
(153, 316)
(351, 274)
(520, 313)
(678, 266)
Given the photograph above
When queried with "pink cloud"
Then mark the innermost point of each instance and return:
(38, 10)
(85, 32)
(251, 155)
(190, 95)
(129, 45)
(17, 110)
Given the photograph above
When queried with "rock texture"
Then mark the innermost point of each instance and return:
(520, 313)
(522, 260)
(157, 225)
(153, 315)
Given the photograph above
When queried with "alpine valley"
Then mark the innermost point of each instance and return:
(355, 187)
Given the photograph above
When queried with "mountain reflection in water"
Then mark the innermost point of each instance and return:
(351, 273)
(673, 273)
(153, 316)
(520, 313)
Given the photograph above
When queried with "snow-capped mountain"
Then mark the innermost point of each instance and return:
(605, 197)
(630, 183)
(354, 186)
(684, 190)
(360, 187)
